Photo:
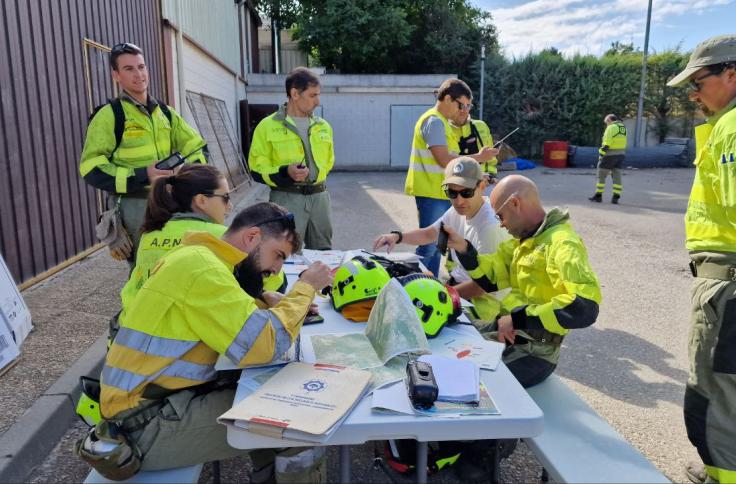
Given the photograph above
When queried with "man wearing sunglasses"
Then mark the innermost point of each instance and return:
(159, 385)
(710, 233)
(553, 287)
(430, 154)
(611, 156)
(470, 215)
(127, 136)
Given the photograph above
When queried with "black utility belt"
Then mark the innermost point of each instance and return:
(710, 270)
(303, 189)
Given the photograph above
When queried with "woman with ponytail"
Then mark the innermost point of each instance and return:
(194, 199)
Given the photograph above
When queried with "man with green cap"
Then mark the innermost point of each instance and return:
(710, 227)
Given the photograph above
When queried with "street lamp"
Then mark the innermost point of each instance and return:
(640, 106)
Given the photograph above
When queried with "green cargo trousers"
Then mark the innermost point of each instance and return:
(185, 432)
(132, 213)
(710, 395)
(312, 216)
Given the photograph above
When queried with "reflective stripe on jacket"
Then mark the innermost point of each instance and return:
(614, 140)
(552, 284)
(277, 144)
(425, 175)
(710, 220)
(189, 311)
(146, 139)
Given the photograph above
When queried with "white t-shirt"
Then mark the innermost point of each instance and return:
(483, 231)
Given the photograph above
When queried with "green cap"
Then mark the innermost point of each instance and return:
(716, 50)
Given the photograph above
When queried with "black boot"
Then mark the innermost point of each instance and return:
(598, 197)
(615, 198)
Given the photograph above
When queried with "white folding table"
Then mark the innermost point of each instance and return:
(520, 417)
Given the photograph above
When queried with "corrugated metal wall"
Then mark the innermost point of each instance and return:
(47, 213)
(213, 24)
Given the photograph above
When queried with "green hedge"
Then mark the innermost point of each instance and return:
(553, 98)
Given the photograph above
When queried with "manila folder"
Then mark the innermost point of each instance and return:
(302, 397)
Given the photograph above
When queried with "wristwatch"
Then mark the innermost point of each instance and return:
(401, 236)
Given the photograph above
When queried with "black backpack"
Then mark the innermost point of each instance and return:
(119, 114)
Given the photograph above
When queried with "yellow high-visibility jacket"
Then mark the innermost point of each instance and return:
(157, 243)
(425, 175)
(614, 140)
(476, 131)
(710, 220)
(553, 287)
(190, 310)
(276, 145)
(147, 138)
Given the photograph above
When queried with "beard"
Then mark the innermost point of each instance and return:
(249, 274)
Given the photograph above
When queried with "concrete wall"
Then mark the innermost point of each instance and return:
(358, 107)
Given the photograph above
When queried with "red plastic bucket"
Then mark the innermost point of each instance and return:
(555, 154)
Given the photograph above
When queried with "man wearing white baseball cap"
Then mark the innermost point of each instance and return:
(710, 227)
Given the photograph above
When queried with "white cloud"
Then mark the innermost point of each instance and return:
(584, 26)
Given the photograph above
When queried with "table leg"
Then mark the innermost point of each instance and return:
(495, 461)
(421, 468)
(344, 464)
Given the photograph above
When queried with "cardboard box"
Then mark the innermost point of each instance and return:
(8, 349)
(12, 306)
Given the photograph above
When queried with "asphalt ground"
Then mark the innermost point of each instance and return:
(631, 366)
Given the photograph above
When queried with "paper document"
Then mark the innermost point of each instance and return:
(395, 398)
(454, 344)
(457, 380)
(301, 402)
(331, 258)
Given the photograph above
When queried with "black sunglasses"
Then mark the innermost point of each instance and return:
(225, 197)
(126, 47)
(463, 107)
(465, 193)
(287, 219)
(695, 84)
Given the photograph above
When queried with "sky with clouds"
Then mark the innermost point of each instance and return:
(589, 26)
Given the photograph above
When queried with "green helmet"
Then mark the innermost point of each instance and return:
(88, 407)
(436, 304)
(358, 281)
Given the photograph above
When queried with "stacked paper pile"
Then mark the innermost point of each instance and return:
(458, 380)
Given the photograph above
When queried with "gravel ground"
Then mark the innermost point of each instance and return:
(631, 367)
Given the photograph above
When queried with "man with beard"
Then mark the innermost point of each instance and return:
(710, 233)
(159, 385)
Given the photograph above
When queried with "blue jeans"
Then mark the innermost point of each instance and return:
(430, 209)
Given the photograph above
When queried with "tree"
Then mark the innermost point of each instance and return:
(361, 36)
(661, 101)
(394, 36)
(619, 48)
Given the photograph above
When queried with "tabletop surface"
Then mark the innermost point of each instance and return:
(519, 417)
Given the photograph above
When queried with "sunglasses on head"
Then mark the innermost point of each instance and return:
(125, 47)
(286, 219)
(465, 193)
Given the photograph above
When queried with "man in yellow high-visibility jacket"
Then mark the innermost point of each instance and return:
(159, 384)
(611, 156)
(292, 152)
(710, 232)
(471, 136)
(431, 151)
(126, 137)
